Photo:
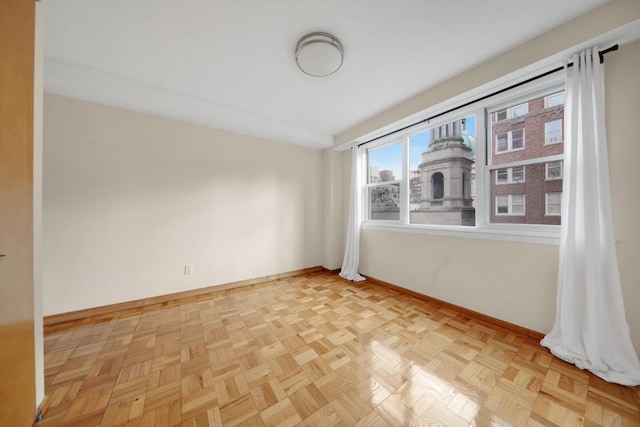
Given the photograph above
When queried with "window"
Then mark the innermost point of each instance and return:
(511, 112)
(510, 204)
(514, 160)
(517, 174)
(510, 140)
(502, 205)
(501, 115)
(510, 175)
(502, 142)
(554, 99)
(517, 139)
(553, 132)
(502, 176)
(520, 110)
(474, 169)
(443, 157)
(553, 204)
(437, 186)
(553, 170)
(384, 166)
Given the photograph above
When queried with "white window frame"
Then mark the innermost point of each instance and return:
(510, 179)
(484, 228)
(546, 171)
(510, 141)
(510, 205)
(546, 132)
(546, 204)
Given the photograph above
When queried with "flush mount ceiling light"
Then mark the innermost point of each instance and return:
(319, 54)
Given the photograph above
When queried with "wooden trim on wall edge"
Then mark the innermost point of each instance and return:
(54, 319)
(465, 311)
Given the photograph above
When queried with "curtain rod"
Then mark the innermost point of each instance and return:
(482, 98)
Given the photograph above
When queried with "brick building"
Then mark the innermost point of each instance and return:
(530, 192)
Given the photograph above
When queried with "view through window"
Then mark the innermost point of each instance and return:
(520, 169)
(524, 174)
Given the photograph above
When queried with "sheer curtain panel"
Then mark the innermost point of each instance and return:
(590, 329)
(352, 251)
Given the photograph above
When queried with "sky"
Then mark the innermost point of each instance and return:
(390, 157)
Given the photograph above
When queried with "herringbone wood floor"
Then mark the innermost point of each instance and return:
(314, 350)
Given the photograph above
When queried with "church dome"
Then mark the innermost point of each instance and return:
(469, 141)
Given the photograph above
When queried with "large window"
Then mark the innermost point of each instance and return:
(496, 165)
(507, 164)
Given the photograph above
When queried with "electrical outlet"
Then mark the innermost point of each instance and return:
(188, 269)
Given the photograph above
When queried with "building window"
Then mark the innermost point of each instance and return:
(502, 142)
(553, 170)
(553, 204)
(437, 186)
(554, 99)
(510, 141)
(517, 174)
(520, 110)
(511, 112)
(517, 139)
(553, 132)
(510, 175)
(510, 204)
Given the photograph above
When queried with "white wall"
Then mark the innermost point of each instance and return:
(129, 199)
(507, 280)
(333, 218)
(555, 43)
(511, 281)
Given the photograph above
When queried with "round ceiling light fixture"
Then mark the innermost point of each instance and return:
(319, 54)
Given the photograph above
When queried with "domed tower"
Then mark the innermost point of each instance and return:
(446, 172)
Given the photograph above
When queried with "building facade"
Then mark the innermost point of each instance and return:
(529, 193)
(445, 178)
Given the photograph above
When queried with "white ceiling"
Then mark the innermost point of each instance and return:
(230, 64)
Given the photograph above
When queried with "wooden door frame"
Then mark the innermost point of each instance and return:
(17, 363)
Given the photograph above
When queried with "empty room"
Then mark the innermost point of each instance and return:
(291, 213)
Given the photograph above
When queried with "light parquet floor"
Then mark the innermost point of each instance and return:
(314, 350)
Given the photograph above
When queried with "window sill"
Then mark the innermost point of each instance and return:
(508, 151)
(544, 235)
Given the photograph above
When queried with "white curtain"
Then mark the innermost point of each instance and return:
(352, 252)
(590, 329)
